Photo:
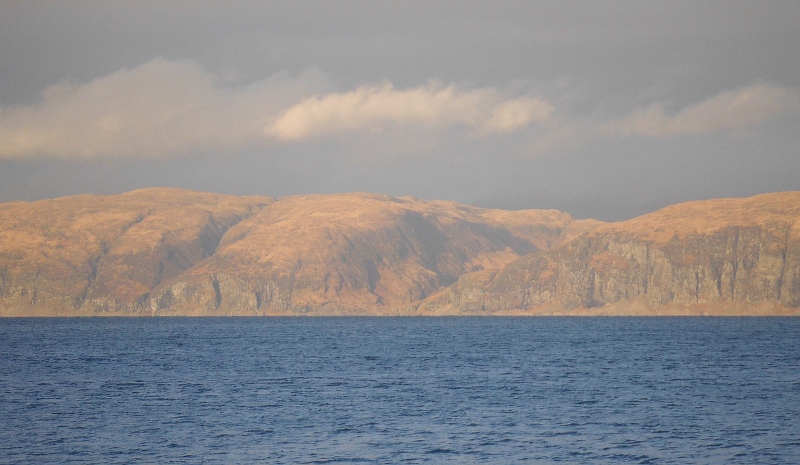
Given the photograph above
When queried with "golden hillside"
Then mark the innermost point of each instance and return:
(721, 257)
(355, 253)
(88, 253)
(705, 217)
(173, 251)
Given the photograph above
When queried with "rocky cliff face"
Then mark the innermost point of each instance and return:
(87, 254)
(727, 256)
(176, 252)
(354, 254)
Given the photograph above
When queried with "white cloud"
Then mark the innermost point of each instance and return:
(485, 111)
(167, 108)
(160, 108)
(730, 110)
(172, 108)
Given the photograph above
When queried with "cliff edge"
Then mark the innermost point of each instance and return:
(178, 252)
(714, 257)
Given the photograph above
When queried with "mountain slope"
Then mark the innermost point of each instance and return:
(92, 254)
(355, 254)
(724, 256)
(171, 251)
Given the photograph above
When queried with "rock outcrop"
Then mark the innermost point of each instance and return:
(177, 252)
(88, 255)
(354, 254)
(723, 257)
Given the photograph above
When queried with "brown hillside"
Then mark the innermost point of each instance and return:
(724, 256)
(776, 211)
(172, 251)
(355, 253)
(93, 254)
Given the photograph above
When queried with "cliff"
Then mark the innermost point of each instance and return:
(178, 252)
(87, 254)
(721, 257)
(354, 254)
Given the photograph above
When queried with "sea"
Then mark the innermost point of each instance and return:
(314, 390)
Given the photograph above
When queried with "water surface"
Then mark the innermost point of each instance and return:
(400, 390)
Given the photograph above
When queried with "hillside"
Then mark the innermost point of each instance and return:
(722, 257)
(92, 254)
(178, 252)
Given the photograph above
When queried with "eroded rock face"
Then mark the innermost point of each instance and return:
(355, 254)
(728, 256)
(177, 252)
(104, 254)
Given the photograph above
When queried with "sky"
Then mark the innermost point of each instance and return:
(604, 110)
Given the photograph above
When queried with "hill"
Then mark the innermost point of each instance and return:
(178, 252)
(720, 257)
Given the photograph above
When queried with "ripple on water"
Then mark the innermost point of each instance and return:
(390, 390)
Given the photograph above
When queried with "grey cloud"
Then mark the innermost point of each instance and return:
(168, 108)
(729, 110)
(159, 108)
(638, 91)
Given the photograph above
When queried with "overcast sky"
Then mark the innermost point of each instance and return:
(604, 109)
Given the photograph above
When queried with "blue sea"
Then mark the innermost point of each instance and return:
(400, 390)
